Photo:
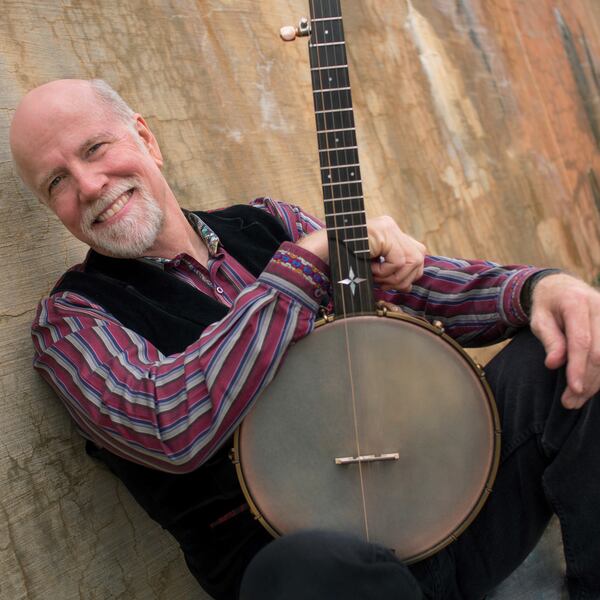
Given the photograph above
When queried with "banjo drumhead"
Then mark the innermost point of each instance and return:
(412, 393)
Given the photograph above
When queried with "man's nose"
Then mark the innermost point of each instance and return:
(91, 183)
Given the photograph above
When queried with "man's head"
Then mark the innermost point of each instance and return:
(83, 152)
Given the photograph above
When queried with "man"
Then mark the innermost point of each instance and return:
(159, 343)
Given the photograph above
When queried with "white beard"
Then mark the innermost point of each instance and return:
(131, 235)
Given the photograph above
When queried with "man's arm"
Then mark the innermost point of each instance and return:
(479, 302)
(172, 412)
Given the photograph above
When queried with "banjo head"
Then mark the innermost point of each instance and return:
(372, 386)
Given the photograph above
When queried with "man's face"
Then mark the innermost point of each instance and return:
(100, 175)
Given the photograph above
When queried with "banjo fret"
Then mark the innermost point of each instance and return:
(339, 89)
(337, 130)
(329, 67)
(332, 110)
(344, 182)
(345, 214)
(342, 166)
(327, 200)
(326, 19)
(336, 149)
(318, 45)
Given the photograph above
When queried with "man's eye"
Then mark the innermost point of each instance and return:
(55, 182)
(93, 148)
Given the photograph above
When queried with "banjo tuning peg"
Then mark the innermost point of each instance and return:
(289, 33)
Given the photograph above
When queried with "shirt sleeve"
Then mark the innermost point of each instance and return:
(478, 302)
(173, 412)
(295, 221)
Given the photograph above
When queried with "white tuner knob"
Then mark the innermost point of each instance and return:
(288, 33)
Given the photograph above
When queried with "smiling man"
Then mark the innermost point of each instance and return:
(103, 180)
(162, 339)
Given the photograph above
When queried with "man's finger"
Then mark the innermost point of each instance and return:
(404, 282)
(579, 341)
(383, 269)
(571, 400)
(547, 330)
(591, 376)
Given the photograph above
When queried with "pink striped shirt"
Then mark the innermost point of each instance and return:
(173, 412)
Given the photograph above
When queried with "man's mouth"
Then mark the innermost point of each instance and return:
(115, 207)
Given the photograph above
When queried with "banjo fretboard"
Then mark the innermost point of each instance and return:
(338, 158)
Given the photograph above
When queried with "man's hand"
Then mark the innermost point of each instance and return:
(401, 258)
(565, 316)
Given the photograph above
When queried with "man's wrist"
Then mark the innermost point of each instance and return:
(529, 286)
(316, 243)
(299, 273)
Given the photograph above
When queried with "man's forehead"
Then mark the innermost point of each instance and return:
(43, 113)
(52, 106)
(50, 122)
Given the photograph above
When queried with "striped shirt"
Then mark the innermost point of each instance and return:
(173, 412)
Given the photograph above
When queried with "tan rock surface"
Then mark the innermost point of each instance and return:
(479, 126)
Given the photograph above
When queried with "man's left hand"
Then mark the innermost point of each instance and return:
(565, 316)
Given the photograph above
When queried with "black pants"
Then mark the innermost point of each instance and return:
(550, 463)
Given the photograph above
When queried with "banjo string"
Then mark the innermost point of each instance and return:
(331, 5)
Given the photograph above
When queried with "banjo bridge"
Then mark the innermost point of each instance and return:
(367, 458)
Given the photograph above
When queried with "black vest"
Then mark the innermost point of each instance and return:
(172, 314)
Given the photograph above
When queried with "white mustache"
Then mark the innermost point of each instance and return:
(101, 204)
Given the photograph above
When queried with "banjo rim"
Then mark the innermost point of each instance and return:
(477, 369)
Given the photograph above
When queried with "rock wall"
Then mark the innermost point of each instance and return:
(479, 128)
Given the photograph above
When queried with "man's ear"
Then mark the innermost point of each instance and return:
(148, 140)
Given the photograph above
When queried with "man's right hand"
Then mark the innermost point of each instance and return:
(403, 256)
(565, 316)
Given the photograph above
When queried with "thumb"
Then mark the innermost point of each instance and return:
(377, 242)
(553, 339)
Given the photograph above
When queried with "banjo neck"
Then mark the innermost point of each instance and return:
(344, 208)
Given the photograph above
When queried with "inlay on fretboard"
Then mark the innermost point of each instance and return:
(338, 158)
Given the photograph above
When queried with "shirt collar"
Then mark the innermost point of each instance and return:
(207, 235)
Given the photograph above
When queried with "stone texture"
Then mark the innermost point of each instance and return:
(479, 130)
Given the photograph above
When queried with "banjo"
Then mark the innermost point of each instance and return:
(378, 423)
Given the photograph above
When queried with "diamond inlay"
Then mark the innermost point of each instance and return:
(352, 280)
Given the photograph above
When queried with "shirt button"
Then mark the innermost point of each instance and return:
(219, 290)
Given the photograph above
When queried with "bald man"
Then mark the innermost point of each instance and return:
(163, 338)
